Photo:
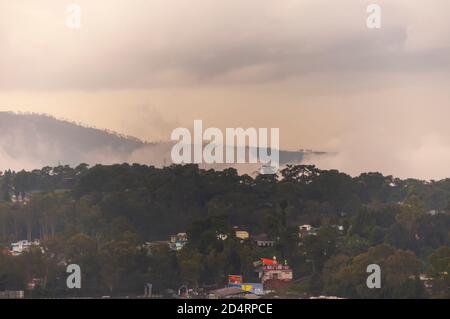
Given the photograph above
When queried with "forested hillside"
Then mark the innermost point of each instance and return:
(100, 216)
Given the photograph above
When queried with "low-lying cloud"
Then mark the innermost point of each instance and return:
(375, 99)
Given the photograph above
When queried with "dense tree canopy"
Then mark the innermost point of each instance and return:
(101, 218)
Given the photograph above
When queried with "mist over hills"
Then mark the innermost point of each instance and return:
(30, 141)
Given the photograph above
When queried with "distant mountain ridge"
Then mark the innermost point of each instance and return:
(34, 140)
(30, 140)
(47, 124)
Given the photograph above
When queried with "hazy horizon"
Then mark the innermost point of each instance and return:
(376, 98)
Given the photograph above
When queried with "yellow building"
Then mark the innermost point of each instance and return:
(242, 234)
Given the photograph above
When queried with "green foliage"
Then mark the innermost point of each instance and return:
(439, 270)
(345, 276)
(103, 217)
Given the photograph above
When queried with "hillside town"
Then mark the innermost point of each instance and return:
(183, 232)
(271, 273)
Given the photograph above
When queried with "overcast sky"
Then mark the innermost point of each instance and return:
(380, 98)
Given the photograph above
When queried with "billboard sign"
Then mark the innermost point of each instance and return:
(234, 280)
(254, 288)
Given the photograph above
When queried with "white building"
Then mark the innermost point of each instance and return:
(305, 230)
(271, 270)
(22, 246)
(177, 242)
